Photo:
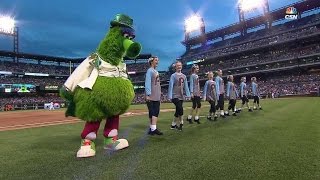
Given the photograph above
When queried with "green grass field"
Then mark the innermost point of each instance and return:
(280, 142)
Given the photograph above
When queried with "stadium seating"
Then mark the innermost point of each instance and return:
(138, 67)
(31, 80)
(253, 44)
(279, 33)
(54, 69)
(30, 99)
(264, 57)
(33, 68)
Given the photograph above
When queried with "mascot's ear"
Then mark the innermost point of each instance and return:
(93, 56)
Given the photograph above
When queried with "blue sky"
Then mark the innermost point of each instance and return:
(72, 28)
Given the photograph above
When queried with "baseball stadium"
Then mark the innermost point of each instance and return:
(241, 102)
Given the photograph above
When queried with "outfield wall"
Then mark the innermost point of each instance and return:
(29, 106)
(311, 94)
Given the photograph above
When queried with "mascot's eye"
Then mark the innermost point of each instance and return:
(126, 35)
(131, 37)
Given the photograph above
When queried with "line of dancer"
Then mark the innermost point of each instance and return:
(214, 92)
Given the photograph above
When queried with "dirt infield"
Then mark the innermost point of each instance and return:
(30, 119)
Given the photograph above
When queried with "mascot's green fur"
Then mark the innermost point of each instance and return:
(110, 95)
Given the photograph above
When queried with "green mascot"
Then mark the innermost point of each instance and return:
(99, 87)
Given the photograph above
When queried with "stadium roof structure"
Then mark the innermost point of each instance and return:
(275, 15)
(56, 59)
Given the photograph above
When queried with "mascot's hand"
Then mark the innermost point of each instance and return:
(64, 93)
(97, 63)
(68, 95)
(94, 60)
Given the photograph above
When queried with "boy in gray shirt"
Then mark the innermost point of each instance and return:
(210, 95)
(244, 94)
(195, 94)
(177, 85)
(153, 95)
(232, 95)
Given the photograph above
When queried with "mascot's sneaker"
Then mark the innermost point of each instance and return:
(87, 149)
(115, 145)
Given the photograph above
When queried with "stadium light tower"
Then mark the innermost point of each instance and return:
(193, 23)
(245, 6)
(8, 28)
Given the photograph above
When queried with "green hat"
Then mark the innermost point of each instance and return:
(122, 20)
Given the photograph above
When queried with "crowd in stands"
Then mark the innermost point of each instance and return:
(37, 81)
(292, 84)
(55, 69)
(138, 67)
(33, 68)
(31, 99)
(263, 58)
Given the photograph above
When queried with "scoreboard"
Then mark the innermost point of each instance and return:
(28, 88)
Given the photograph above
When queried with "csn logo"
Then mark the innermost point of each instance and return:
(291, 13)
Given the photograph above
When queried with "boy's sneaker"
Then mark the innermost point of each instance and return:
(155, 132)
(189, 120)
(174, 127)
(180, 127)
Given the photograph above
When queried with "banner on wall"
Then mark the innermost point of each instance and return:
(55, 105)
(23, 106)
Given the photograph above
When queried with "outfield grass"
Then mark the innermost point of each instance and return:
(280, 142)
